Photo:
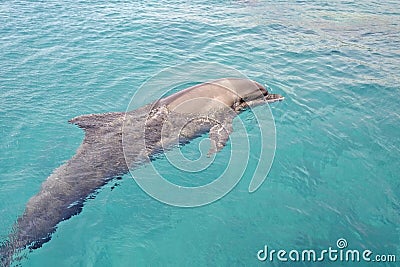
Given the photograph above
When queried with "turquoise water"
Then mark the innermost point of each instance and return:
(336, 169)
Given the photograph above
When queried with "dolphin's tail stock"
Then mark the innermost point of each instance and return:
(9, 248)
(6, 254)
(53, 204)
(62, 195)
(35, 227)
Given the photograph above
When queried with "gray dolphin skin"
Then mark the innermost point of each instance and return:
(116, 142)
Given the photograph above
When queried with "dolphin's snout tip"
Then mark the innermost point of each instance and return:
(274, 98)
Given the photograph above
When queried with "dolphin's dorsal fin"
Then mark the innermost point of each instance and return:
(94, 121)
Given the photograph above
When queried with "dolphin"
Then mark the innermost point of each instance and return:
(147, 131)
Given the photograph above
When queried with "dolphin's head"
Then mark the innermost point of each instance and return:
(250, 94)
(236, 93)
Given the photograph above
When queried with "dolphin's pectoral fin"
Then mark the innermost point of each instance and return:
(219, 135)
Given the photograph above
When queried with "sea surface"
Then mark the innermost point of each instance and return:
(336, 168)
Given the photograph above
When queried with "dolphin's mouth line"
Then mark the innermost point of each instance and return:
(268, 97)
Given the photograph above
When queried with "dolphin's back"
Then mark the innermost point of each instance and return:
(99, 158)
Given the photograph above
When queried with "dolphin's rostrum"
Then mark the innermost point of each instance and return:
(176, 119)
